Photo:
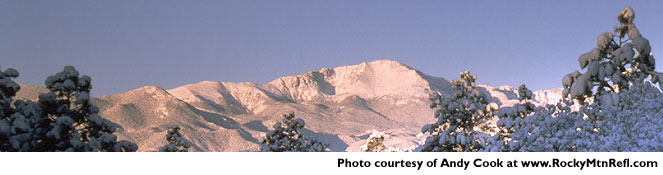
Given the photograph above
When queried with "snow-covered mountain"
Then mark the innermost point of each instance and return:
(341, 106)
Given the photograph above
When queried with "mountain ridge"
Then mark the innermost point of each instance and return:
(340, 106)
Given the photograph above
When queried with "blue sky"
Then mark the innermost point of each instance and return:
(125, 45)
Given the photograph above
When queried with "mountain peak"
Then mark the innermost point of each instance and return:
(387, 63)
(155, 92)
(366, 80)
(383, 64)
(150, 89)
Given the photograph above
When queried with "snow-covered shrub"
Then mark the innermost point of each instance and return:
(634, 124)
(614, 65)
(550, 128)
(288, 137)
(176, 142)
(375, 143)
(510, 119)
(462, 119)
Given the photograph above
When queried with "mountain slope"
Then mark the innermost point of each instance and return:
(340, 106)
(145, 115)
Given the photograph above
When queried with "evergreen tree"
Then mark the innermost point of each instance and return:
(634, 125)
(75, 123)
(288, 137)
(175, 140)
(462, 118)
(614, 65)
(8, 89)
(62, 120)
(511, 119)
(624, 110)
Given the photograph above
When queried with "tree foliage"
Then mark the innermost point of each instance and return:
(634, 124)
(62, 120)
(462, 118)
(623, 113)
(614, 65)
(511, 119)
(8, 89)
(288, 137)
(176, 142)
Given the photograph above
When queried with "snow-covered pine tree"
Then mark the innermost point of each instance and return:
(175, 140)
(511, 119)
(8, 89)
(633, 125)
(74, 123)
(288, 138)
(614, 65)
(625, 113)
(28, 127)
(462, 118)
(21, 126)
(551, 128)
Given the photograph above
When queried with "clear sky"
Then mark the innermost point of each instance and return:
(125, 45)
